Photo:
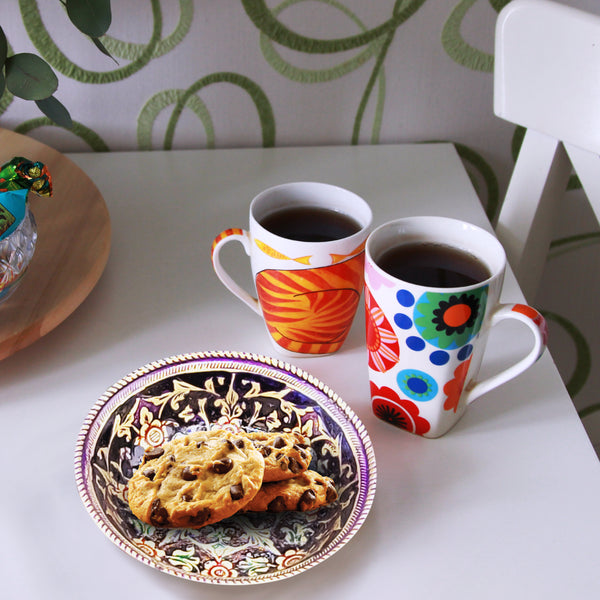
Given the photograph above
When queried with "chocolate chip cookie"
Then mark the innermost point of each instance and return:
(196, 479)
(286, 454)
(307, 491)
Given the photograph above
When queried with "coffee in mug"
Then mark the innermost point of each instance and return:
(310, 224)
(432, 264)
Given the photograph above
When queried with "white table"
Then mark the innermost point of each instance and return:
(507, 505)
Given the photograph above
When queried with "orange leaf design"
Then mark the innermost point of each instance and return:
(336, 258)
(270, 251)
(303, 260)
(311, 310)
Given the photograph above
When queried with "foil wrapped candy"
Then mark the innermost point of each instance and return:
(17, 177)
(18, 232)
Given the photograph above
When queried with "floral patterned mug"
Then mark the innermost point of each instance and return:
(427, 326)
(306, 247)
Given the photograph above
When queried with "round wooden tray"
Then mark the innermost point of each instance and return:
(71, 251)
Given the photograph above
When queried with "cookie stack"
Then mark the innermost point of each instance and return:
(206, 476)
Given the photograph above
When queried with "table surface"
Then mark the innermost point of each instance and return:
(506, 505)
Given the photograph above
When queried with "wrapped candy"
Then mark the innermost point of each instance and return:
(12, 210)
(17, 177)
(21, 173)
(18, 231)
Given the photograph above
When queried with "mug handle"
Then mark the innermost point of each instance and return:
(233, 235)
(536, 323)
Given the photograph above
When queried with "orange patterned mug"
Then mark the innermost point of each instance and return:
(306, 246)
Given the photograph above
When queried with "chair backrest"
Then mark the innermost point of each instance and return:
(546, 79)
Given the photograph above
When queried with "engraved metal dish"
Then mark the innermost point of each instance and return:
(233, 391)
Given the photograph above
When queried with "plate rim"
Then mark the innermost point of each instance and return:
(81, 459)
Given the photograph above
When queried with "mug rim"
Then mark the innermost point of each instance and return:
(496, 264)
(363, 214)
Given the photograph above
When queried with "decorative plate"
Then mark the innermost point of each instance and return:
(237, 392)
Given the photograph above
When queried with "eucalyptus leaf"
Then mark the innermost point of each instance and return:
(103, 49)
(30, 77)
(3, 48)
(55, 111)
(91, 17)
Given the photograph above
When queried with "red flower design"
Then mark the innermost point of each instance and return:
(382, 343)
(219, 568)
(453, 389)
(311, 310)
(388, 406)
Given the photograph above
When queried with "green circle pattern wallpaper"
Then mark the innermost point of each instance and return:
(207, 74)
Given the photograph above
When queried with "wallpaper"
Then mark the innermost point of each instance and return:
(242, 73)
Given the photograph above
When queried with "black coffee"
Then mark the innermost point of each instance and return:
(433, 265)
(310, 224)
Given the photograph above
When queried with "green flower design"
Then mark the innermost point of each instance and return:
(450, 320)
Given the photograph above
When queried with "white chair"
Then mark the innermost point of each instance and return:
(546, 79)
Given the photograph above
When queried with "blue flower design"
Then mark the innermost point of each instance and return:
(417, 385)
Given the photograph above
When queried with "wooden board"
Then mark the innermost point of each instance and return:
(71, 252)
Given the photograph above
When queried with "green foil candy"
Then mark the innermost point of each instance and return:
(17, 177)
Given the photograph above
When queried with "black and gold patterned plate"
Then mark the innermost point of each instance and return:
(237, 392)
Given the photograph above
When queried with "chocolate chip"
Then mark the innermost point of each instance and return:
(240, 443)
(186, 497)
(230, 445)
(153, 453)
(158, 514)
(187, 474)
(331, 494)
(236, 492)
(200, 517)
(279, 442)
(300, 450)
(149, 473)
(265, 451)
(294, 465)
(222, 466)
(307, 500)
(281, 459)
(200, 444)
(277, 504)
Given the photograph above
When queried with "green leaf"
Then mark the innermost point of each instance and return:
(91, 17)
(30, 77)
(3, 48)
(102, 48)
(2, 83)
(55, 111)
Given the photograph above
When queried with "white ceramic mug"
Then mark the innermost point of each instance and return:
(307, 291)
(425, 342)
